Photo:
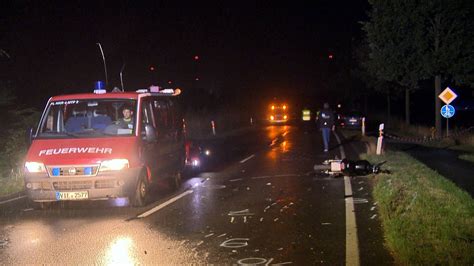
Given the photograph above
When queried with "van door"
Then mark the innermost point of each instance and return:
(151, 154)
(168, 141)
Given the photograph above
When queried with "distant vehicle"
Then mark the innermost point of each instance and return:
(82, 150)
(278, 113)
(197, 157)
(306, 115)
(351, 119)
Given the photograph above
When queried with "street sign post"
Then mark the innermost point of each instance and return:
(447, 111)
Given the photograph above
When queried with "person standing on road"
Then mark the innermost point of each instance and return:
(325, 120)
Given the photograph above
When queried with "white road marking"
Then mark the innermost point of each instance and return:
(352, 241)
(164, 204)
(248, 158)
(10, 200)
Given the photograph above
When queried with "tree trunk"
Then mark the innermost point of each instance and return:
(407, 106)
(389, 113)
(439, 130)
(365, 104)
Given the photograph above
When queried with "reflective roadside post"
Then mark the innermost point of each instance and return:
(380, 140)
(363, 126)
(213, 125)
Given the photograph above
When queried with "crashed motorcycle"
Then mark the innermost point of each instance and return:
(338, 167)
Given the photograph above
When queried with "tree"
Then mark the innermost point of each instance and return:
(391, 33)
(361, 72)
(448, 45)
(412, 41)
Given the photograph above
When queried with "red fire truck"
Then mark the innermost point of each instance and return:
(105, 145)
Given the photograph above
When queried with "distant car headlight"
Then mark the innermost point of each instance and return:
(35, 167)
(114, 165)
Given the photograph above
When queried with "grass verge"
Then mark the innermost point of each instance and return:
(427, 220)
(9, 185)
(467, 157)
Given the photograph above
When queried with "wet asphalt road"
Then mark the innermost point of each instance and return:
(262, 204)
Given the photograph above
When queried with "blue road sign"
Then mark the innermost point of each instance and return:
(447, 111)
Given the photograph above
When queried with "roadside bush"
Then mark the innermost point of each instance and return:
(13, 136)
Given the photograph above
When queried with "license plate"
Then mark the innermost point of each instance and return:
(72, 195)
(352, 120)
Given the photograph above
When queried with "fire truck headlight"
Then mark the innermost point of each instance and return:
(35, 167)
(114, 165)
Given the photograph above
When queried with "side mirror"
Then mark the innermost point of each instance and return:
(29, 136)
(150, 133)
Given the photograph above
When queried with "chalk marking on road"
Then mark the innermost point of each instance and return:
(261, 177)
(10, 200)
(245, 212)
(282, 175)
(235, 243)
(235, 180)
(360, 200)
(209, 235)
(352, 242)
(164, 204)
(248, 158)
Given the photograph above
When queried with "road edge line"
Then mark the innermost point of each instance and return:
(164, 204)
(248, 158)
(352, 241)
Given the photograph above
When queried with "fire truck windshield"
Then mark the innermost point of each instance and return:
(88, 118)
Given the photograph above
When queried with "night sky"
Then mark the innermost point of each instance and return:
(249, 46)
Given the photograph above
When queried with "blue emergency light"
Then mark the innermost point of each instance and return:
(99, 87)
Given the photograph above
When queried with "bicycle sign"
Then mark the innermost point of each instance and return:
(448, 111)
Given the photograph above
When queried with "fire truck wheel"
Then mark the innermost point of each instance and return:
(141, 192)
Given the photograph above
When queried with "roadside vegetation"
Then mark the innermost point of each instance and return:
(460, 141)
(13, 141)
(427, 219)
